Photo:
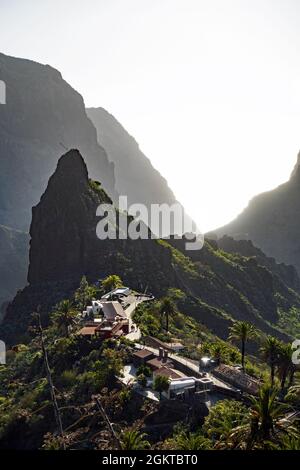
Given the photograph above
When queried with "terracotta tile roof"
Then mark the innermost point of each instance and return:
(237, 378)
(170, 373)
(157, 362)
(143, 353)
(87, 331)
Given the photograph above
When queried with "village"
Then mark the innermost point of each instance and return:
(159, 370)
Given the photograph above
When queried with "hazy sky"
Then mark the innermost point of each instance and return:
(209, 88)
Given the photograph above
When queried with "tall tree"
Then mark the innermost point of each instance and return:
(270, 351)
(267, 422)
(84, 294)
(242, 331)
(111, 282)
(167, 310)
(64, 317)
(284, 364)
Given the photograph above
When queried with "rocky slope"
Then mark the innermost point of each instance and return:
(13, 262)
(272, 221)
(287, 273)
(218, 286)
(135, 175)
(43, 114)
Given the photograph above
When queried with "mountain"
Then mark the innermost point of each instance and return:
(13, 262)
(272, 221)
(43, 114)
(217, 287)
(287, 273)
(135, 175)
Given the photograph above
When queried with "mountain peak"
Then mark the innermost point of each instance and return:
(295, 172)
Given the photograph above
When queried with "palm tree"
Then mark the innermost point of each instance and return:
(111, 282)
(290, 443)
(266, 411)
(167, 309)
(266, 421)
(242, 331)
(161, 384)
(218, 351)
(133, 440)
(65, 316)
(270, 352)
(285, 364)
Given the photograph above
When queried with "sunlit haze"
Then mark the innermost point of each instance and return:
(209, 88)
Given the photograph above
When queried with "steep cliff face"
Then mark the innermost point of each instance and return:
(13, 262)
(43, 114)
(135, 175)
(272, 222)
(219, 287)
(64, 245)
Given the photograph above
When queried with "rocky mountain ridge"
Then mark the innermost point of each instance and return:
(217, 287)
(272, 222)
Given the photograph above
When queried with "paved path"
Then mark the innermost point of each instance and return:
(134, 301)
(190, 365)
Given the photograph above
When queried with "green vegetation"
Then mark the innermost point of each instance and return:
(83, 369)
(161, 384)
(167, 310)
(111, 282)
(269, 351)
(242, 331)
(134, 440)
(97, 188)
(84, 294)
(233, 425)
(64, 317)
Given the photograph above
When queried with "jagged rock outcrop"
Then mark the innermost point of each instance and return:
(64, 244)
(64, 247)
(218, 287)
(272, 222)
(43, 115)
(13, 263)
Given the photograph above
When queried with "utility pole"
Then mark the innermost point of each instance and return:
(109, 424)
(50, 382)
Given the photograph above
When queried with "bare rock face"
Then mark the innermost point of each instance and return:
(217, 287)
(43, 115)
(272, 222)
(135, 175)
(64, 245)
(13, 262)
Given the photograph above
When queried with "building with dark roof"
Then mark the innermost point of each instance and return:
(141, 357)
